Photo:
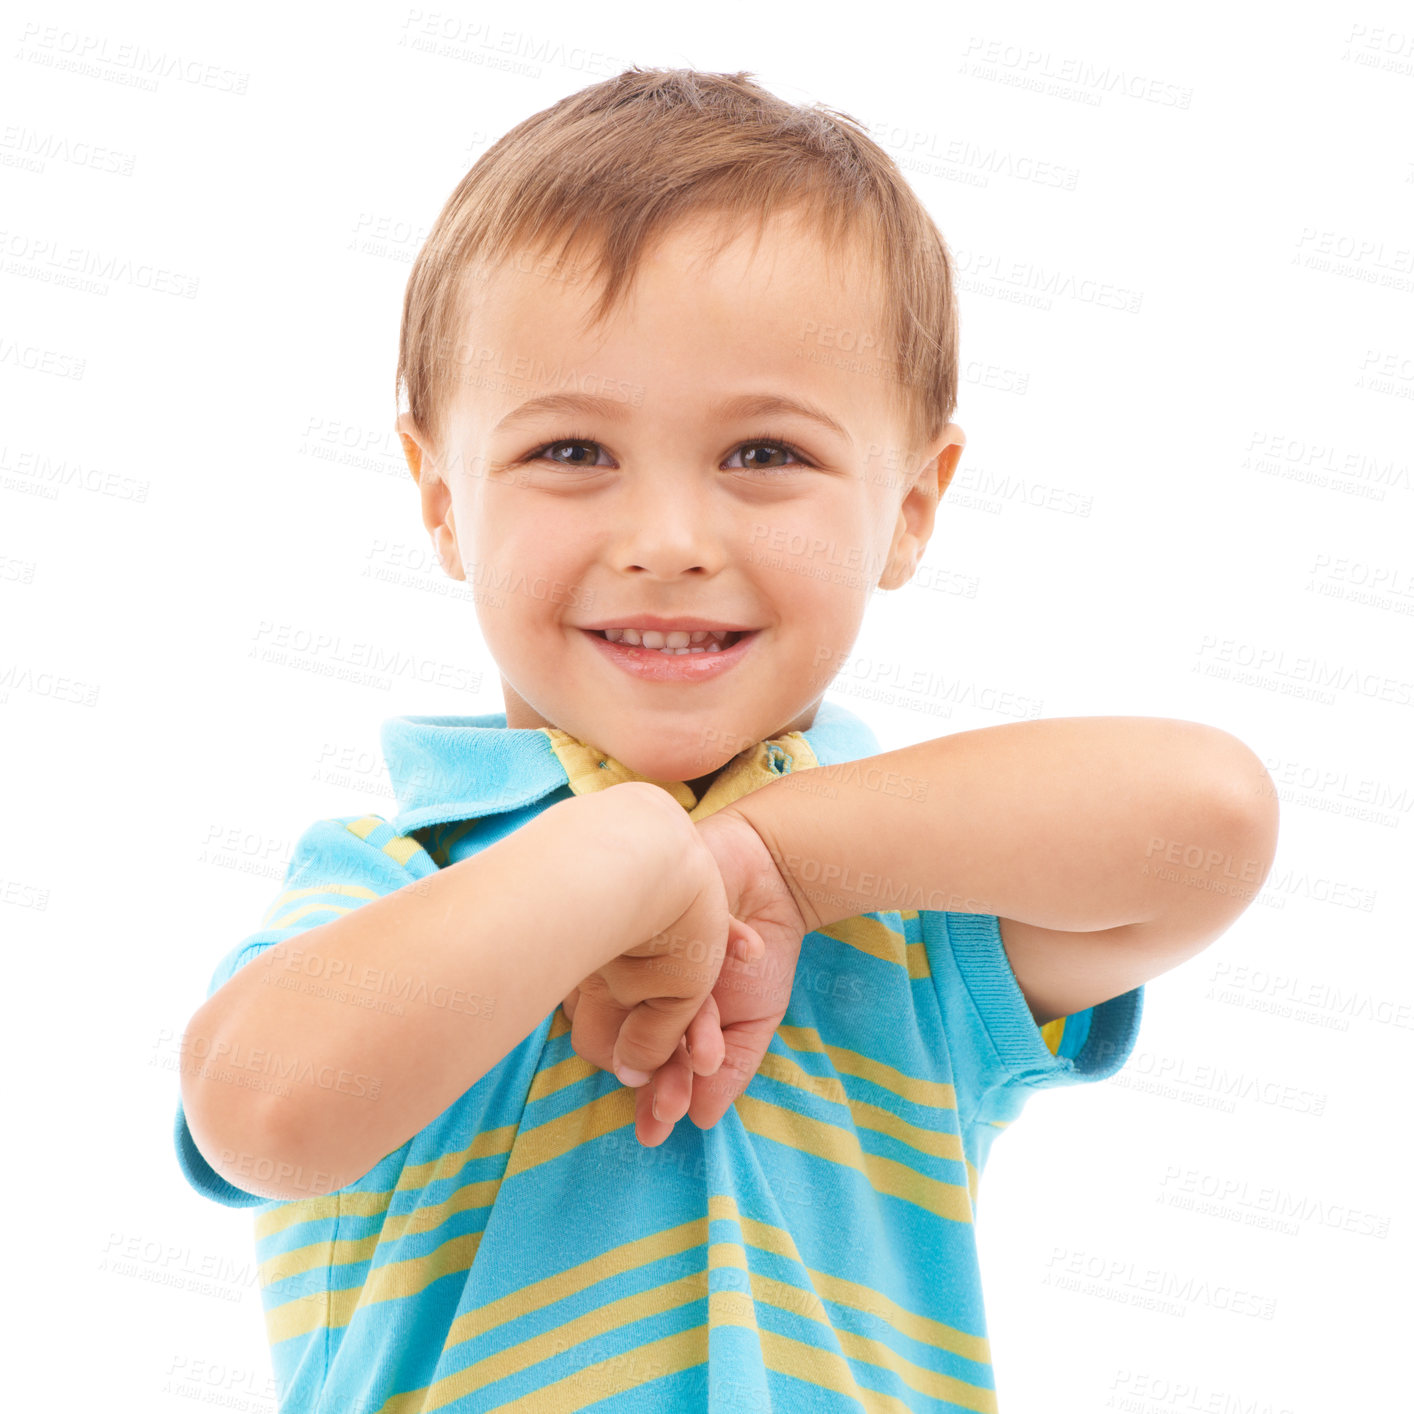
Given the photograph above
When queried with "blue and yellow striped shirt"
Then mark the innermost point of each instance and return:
(813, 1251)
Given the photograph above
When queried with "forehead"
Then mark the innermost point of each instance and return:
(714, 307)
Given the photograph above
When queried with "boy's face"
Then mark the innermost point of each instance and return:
(652, 501)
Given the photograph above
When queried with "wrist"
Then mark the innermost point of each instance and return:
(629, 842)
(747, 843)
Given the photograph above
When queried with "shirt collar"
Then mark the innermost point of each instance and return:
(466, 768)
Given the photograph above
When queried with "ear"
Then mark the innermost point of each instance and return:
(920, 505)
(413, 442)
(436, 497)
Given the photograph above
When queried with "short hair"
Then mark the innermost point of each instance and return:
(621, 162)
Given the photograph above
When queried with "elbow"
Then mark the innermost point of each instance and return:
(249, 1136)
(1243, 796)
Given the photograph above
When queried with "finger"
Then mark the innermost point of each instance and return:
(745, 943)
(595, 1029)
(668, 1094)
(713, 1095)
(569, 1004)
(704, 1044)
(650, 1034)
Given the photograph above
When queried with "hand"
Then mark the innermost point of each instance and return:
(664, 1097)
(734, 1026)
(751, 995)
(639, 1013)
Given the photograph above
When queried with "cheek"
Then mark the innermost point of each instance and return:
(822, 601)
(515, 535)
(528, 582)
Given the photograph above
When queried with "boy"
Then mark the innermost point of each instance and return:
(671, 880)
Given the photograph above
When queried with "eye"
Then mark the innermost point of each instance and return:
(572, 441)
(771, 444)
(767, 444)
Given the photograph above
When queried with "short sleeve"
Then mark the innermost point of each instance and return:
(337, 865)
(1000, 1055)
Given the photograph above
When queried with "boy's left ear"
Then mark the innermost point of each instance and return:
(920, 505)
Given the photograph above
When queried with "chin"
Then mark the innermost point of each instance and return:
(684, 760)
(680, 767)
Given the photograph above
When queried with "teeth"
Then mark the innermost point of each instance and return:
(675, 641)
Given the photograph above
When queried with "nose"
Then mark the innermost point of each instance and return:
(668, 525)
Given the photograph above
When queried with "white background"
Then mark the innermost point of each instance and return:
(1176, 510)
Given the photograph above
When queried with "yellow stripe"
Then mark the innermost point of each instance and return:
(554, 1078)
(414, 1274)
(556, 1138)
(310, 1210)
(917, 1377)
(1051, 1034)
(401, 848)
(683, 1350)
(870, 935)
(823, 1368)
(865, 1349)
(569, 1393)
(627, 1370)
(489, 1144)
(302, 1259)
(924, 1329)
(931, 1093)
(353, 890)
(626, 1257)
(657, 1359)
(737, 1308)
(843, 1292)
(817, 1365)
(820, 1365)
(841, 1146)
(917, 951)
(385, 1283)
(317, 1254)
(298, 913)
(865, 1114)
(296, 1318)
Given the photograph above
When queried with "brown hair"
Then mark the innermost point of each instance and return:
(621, 161)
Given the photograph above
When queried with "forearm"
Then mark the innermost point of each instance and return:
(1048, 822)
(371, 1025)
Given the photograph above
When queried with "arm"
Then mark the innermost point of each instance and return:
(1112, 848)
(516, 927)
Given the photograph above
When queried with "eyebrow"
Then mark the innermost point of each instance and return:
(615, 410)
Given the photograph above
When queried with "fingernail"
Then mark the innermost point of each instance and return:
(656, 1115)
(632, 1078)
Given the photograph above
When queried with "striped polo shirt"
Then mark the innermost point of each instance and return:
(813, 1251)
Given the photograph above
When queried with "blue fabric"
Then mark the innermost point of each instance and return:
(814, 1250)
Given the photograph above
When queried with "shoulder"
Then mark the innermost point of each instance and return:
(358, 854)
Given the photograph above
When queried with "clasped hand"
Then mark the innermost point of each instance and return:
(685, 1017)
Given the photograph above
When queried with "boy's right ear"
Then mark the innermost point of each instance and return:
(411, 439)
(434, 494)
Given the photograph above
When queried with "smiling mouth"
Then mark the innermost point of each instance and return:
(674, 642)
